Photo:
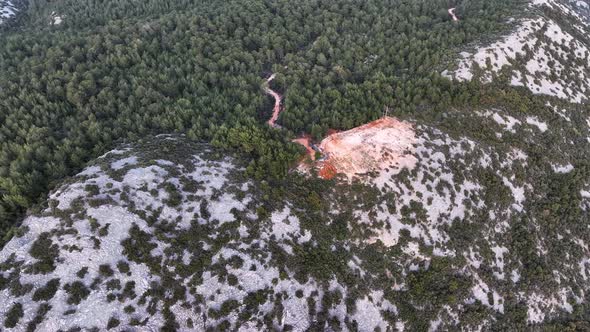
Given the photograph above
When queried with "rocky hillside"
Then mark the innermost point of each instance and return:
(582, 7)
(171, 234)
(7, 10)
(473, 219)
(548, 52)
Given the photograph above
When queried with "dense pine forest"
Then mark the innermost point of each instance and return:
(111, 71)
(142, 185)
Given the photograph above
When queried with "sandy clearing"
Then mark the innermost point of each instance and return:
(375, 146)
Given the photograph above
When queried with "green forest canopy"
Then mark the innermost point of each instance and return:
(120, 70)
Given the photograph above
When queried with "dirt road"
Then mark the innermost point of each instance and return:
(452, 13)
(277, 108)
(304, 140)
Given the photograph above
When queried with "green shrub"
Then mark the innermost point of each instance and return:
(232, 280)
(82, 272)
(92, 189)
(174, 196)
(113, 284)
(105, 270)
(41, 312)
(47, 292)
(123, 267)
(78, 292)
(113, 322)
(13, 315)
(104, 231)
(225, 309)
(46, 252)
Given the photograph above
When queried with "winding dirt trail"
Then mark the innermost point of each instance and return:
(375, 146)
(277, 109)
(452, 13)
(304, 140)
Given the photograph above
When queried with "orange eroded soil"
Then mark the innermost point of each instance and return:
(376, 146)
(373, 147)
(327, 170)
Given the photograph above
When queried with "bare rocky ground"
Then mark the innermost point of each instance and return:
(545, 53)
(476, 222)
(376, 146)
(7, 10)
(170, 234)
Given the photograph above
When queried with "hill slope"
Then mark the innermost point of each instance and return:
(483, 226)
(169, 233)
(7, 10)
(548, 52)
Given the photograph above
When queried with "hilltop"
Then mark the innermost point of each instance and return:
(176, 234)
(465, 208)
(548, 53)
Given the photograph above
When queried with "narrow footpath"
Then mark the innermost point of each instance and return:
(277, 108)
(452, 13)
(304, 140)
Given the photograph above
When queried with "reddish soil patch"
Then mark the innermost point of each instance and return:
(375, 146)
(327, 170)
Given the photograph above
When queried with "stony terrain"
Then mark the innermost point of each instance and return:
(7, 10)
(170, 233)
(582, 8)
(548, 52)
(476, 220)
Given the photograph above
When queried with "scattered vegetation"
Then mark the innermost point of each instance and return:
(78, 292)
(46, 292)
(107, 79)
(169, 67)
(13, 315)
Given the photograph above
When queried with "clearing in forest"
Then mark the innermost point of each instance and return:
(373, 147)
